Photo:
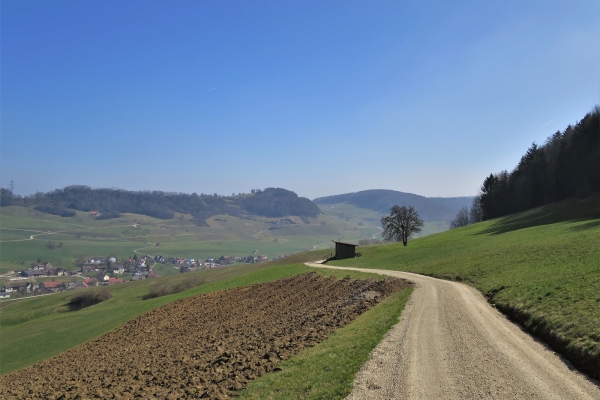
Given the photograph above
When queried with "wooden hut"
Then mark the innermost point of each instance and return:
(344, 250)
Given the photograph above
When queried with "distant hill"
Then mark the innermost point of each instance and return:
(380, 200)
(271, 202)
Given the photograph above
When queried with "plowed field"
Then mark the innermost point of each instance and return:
(206, 346)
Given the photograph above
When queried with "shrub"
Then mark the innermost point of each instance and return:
(88, 298)
(163, 288)
(55, 210)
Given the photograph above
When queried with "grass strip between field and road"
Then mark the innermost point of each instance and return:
(327, 370)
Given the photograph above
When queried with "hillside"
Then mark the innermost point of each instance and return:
(429, 209)
(26, 233)
(540, 267)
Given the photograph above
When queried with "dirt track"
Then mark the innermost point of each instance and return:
(451, 344)
(206, 346)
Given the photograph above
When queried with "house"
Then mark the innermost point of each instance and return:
(102, 277)
(60, 271)
(112, 260)
(32, 273)
(90, 282)
(137, 277)
(44, 266)
(88, 267)
(344, 250)
(51, 286)
(119, 270)
(4, 295)
(22, 287)
(153, 274)
(112, 281)
(95, 213)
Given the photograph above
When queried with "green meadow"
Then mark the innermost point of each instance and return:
(541, 267)
(25, 234)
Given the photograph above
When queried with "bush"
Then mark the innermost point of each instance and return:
(55, 210)
(88, 298)
(163, 288)
(108, 215)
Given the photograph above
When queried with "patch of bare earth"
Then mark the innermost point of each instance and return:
(206, 346)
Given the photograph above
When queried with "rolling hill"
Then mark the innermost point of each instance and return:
(429, 208)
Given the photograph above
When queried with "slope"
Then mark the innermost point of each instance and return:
(540, 267)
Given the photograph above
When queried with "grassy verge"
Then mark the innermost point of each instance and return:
(327, 370)
(540, 267)
(35, 329)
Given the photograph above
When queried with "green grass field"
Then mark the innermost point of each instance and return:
(84, 236)
(541, 267)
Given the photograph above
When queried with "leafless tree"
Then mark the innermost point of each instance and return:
(401, 224)
(476, 212)
(462, 219)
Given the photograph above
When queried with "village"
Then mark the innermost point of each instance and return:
(104, 271)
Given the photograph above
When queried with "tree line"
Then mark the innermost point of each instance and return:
(566, 165)
(271, 202)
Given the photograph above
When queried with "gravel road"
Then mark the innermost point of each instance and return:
(451, 344)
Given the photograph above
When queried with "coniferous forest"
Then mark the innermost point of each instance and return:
(566, 165)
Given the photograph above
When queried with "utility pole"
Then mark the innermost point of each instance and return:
(12, 186)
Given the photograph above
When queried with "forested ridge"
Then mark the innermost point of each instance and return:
(271, 202)
(566, 165)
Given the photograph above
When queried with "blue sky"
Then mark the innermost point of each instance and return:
(320, 98)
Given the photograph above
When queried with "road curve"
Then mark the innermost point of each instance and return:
(451, 344)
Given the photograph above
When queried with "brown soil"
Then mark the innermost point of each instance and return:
(206, 346)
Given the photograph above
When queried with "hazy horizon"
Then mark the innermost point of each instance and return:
(317, 98)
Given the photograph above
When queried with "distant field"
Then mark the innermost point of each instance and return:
(540, 267)
(84, 236)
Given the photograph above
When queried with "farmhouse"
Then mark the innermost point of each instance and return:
(90, 281)
(32, 273)
(51, 286)
(22, 287)
(95, 213)
(344, 250)
(119, 270)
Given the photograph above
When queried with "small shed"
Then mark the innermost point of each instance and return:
(344, 250)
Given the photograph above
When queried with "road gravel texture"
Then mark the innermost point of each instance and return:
(451, 344)
(206, 346)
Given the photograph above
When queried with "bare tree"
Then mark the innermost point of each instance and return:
(476, 213)
(401, 224)
(462, 219)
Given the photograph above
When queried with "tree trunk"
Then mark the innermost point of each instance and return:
(404, 242)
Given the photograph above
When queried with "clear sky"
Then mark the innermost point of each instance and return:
(321, 98)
